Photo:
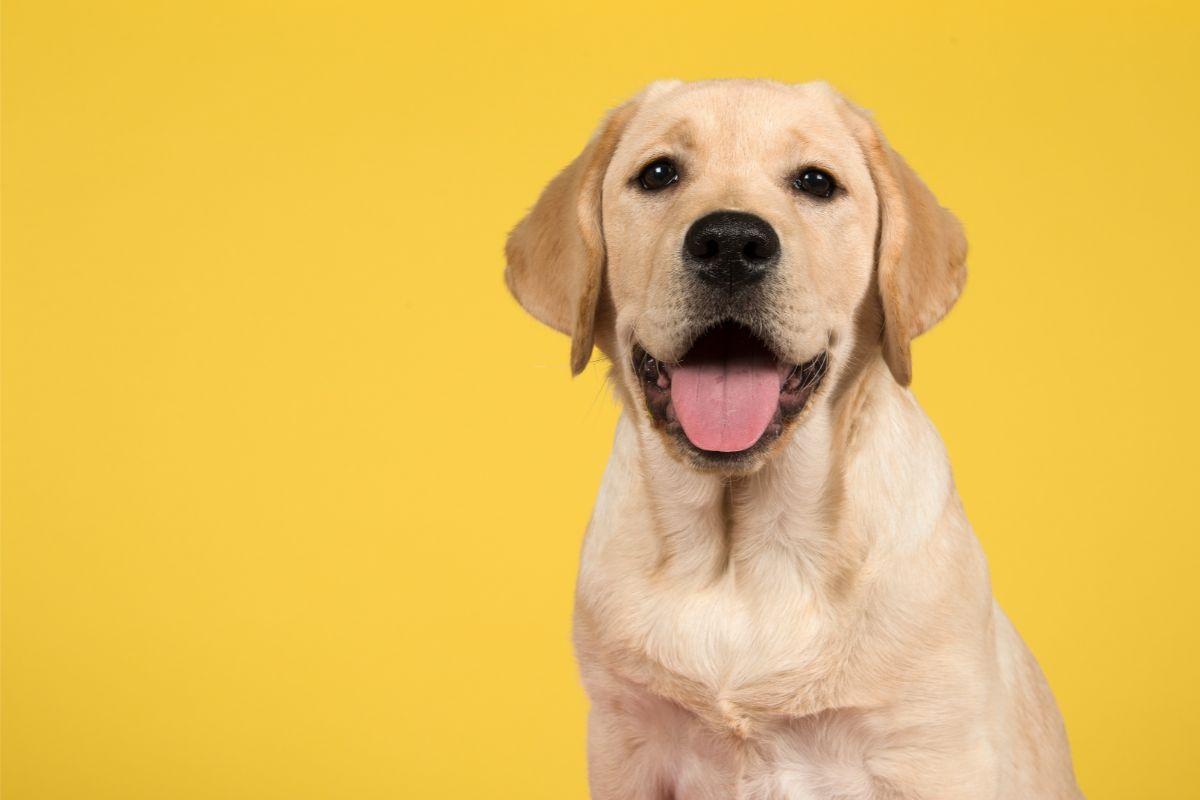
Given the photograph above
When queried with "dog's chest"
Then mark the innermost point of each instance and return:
(820, 757)
(734, 652)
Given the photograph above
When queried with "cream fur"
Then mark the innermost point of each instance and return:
(819, 624)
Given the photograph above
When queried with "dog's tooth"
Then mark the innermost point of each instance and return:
(650, 370)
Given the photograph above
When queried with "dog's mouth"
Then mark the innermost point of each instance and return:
(730, 394)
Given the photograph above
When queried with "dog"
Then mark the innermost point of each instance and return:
(779, 593)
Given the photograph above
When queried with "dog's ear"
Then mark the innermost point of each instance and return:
(556, 254)
(921, 253)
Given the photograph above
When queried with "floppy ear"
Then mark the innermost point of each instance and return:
(556, 254)
(921, 252)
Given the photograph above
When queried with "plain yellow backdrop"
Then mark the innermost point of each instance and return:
(293, 492)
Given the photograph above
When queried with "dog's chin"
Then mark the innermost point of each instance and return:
(729, 402)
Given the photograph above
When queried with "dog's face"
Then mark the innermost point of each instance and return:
(739, 227)
(721, 242)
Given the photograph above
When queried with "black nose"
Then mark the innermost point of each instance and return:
(730, 248)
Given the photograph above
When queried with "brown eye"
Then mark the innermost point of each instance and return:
(816, 182)
(658, 175)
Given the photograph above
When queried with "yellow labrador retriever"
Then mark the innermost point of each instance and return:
(779, 595)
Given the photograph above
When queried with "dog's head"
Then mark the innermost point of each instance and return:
(728, 245)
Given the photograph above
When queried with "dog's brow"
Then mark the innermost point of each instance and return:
(799, 137)
(678, 135)
(675, 139)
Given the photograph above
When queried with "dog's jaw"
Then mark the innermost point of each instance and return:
(753, 440)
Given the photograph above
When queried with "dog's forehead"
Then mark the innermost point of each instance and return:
(734, 116)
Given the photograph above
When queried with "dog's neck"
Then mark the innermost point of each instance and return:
(817, 504)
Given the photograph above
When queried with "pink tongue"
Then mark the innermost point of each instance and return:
(724, 404)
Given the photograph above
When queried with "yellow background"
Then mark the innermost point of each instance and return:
(293, 492)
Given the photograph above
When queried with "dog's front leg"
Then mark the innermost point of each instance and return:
(647, 748)
(623, 763)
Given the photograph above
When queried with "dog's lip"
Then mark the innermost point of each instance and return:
(793, 376)
(790, 372)
(799, 381)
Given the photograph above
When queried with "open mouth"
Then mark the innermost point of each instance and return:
(730, 393)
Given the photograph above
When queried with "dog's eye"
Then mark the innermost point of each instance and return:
(658, 175)
(816, 182)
